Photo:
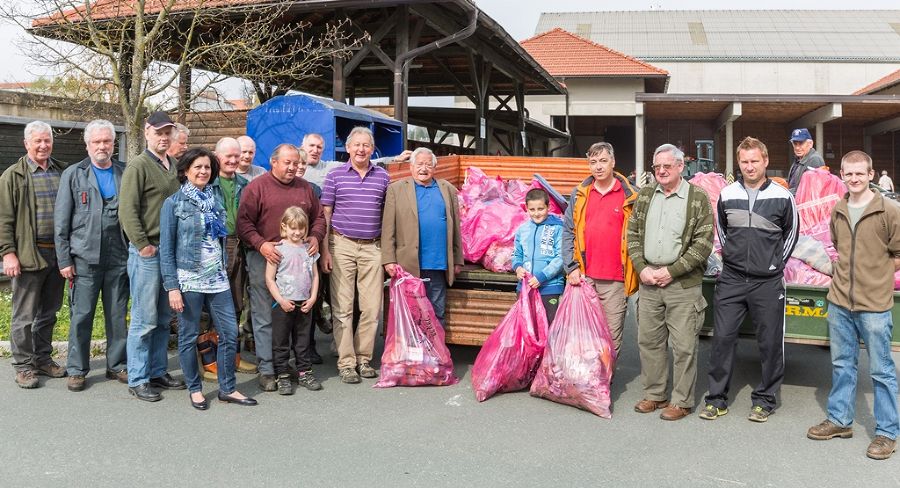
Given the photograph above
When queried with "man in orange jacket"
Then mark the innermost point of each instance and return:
(594, 236)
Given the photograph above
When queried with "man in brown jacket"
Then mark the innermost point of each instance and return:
(865, 229)
(420, 229)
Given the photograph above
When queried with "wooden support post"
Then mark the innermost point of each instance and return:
(401, 70)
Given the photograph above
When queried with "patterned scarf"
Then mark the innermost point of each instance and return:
(215, 224)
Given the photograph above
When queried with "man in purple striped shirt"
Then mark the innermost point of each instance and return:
(353, 198)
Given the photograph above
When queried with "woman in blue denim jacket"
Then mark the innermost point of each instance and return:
(192, 261)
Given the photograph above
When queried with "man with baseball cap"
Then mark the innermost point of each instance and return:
(806, 157)
(147, 181)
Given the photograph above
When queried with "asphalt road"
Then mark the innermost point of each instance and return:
(355, 435)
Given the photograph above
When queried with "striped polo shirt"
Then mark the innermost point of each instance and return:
(356, 202)
(46, 185)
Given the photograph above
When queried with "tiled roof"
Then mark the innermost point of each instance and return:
(886, 82)
(562, 53)
(739, 35)
(110, 9)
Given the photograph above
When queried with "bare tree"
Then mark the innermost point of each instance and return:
(137, 49)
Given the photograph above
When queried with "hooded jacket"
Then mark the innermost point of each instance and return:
(573, 230)
(538, 249)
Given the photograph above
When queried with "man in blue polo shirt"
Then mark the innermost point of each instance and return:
(420, 229)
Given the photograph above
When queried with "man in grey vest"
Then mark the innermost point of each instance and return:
(92, 253)
(806, 157)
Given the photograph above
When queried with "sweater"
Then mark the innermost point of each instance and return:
(145, 186)
(263, 203)
(696, 238)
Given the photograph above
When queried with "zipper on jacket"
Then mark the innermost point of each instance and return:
(533, 247)
(749, 229)
(853, 255)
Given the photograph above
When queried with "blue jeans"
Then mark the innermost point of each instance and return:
(221, 311)
(148, 334)
(846, 328)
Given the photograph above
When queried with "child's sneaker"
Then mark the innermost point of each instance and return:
(308, 381)
(284, 385)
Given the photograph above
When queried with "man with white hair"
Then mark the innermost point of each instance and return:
(227, 189)
(670, 235)
(92, 253)
(179, 144)
(27, 196)
(420, 229)
(885, 182)
(246, 168)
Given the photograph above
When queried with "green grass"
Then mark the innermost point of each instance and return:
(61, 330)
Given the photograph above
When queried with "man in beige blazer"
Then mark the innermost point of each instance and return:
(420, 229)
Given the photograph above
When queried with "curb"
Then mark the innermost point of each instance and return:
(60, 349)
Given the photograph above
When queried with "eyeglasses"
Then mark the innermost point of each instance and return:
(657, 167)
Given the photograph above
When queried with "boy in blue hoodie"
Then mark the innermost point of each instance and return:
(538, 251)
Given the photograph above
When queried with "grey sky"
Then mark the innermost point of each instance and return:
(518, 17)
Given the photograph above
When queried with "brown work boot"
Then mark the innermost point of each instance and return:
(674, 413)
(75, 382)
(121, 375)
(647, 406)
(51, 369)
(881, 447)
(26, 379)
(828, 430)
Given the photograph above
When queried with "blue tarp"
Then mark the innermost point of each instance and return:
(286, 119)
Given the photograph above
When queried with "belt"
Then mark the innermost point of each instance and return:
(354, 239)
(46, 245)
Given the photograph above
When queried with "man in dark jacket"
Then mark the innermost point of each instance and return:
(27, 196)
(92, 253)
(865, 228)
(758, 227)
(805, 157)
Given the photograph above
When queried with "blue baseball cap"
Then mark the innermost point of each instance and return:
(798, 135)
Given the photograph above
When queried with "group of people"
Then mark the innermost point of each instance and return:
(184, 232)
(656, 240)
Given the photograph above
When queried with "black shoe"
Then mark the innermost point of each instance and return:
(248, 402)
(284, 385)
(201, 405)
(145, 393)
(167, 382)
(315, 358)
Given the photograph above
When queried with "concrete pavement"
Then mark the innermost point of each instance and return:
(354, 435)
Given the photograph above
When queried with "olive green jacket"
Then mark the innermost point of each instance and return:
(17, 218)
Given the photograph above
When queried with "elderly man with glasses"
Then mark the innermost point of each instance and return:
(669, 239)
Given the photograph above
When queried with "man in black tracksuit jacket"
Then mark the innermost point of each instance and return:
(757, 223)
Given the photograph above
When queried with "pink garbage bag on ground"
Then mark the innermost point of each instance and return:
(511, 354)
(580, 358)
(498, 257)
(414, 349)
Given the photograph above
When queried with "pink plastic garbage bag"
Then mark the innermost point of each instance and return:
(817, 193)
(511, 354)
(414, 349)
(580, 358)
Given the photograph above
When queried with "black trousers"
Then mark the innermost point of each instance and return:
(291, 330)
(764, 300)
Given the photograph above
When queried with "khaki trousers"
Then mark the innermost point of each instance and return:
(670, 314)
(355, 266)
(612, 297)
